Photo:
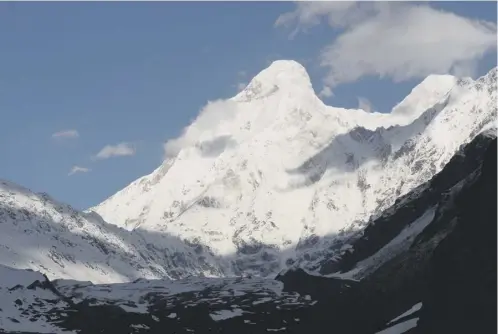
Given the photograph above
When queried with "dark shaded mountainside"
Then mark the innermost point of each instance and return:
(448, 273)
(427, 265)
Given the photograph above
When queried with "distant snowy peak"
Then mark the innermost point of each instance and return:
(426, 94)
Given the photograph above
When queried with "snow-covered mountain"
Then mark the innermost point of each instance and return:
(426, 265)
(39, 233)
(273, 175)
(268, 179)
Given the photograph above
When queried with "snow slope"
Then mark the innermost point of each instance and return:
(30, 303)
(273, 174)
(39, 233)
(20, 291)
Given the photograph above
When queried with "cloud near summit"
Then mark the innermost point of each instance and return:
(210, 118)
(399, 40)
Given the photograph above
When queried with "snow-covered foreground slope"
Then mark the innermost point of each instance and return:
(39, 233)
(273, 175)
(20, 291)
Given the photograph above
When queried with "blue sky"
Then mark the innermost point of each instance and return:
(138, 73)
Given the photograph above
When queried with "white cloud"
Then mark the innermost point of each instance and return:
(397, 40)
(241, 86)
(66, 134)
(78, 169)
(326, 92)
(365, 104)
(210, 118)
(242, 73)
(338, 13)
(465, 69)
(121, 149)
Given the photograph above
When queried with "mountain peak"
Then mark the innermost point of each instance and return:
(288, 75)
(284, 67)
(427, 93)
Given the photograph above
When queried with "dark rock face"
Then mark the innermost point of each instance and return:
(448, 269)
(461, 281)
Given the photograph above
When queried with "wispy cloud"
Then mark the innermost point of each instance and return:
(415, 42)
(326, 92)
(365, 104)
(309, 14)
(241, 86)
(110, 151)
(66, 134)
(78, 169)
(210, 118)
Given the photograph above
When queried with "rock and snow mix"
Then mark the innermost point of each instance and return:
(24, 302)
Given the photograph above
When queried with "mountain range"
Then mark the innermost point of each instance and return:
(272, 207)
